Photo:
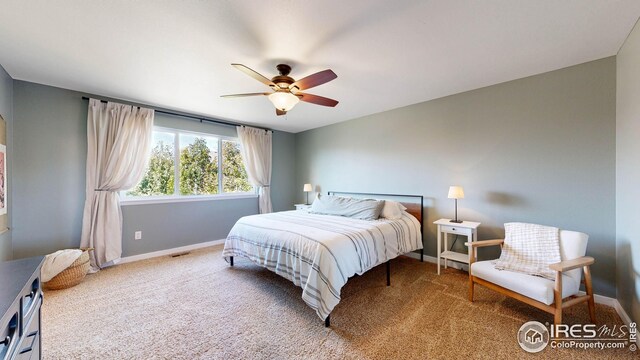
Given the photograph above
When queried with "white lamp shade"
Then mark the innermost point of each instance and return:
(307, 188)
(456, 192)
(284, 101)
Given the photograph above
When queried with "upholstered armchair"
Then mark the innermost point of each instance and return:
(548, 295)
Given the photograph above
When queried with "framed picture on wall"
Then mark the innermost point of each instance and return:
(3, 179)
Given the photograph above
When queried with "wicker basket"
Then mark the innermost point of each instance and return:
(72, 275)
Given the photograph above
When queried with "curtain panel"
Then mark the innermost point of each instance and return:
(256, 155)
(118, 146)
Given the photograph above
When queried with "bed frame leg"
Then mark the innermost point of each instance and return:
(231, 260)
(388, 273)
(422, 255)
(327, 321)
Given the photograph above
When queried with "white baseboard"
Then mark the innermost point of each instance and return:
(614, 303)
(172, 251)
(600, 299)
(620, 310)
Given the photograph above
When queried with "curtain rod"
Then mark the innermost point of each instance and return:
(193, 117)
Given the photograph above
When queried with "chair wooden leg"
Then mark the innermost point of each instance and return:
(589, 288)
(557, 292)
(472, 259)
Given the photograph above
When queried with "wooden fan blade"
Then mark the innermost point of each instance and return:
(243, 95)
(318, 100)
(254, 74)
(280, 112)
(316, 79)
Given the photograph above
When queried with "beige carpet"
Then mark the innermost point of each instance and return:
(197, 307)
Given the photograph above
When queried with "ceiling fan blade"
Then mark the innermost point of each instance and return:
(318, 100)
(316, 79)
(243, 95)
(280, 112)
(254, 74)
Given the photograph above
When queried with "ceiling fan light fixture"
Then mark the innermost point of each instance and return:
(284, 101)
(287, 91)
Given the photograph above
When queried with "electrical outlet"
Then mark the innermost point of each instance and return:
(137, 235)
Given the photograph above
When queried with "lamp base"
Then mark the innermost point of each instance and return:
(456, 221)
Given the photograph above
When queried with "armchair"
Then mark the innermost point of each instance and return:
(547, 295)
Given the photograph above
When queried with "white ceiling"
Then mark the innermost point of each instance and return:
(387, 54)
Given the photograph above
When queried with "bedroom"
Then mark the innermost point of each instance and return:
(530, 107)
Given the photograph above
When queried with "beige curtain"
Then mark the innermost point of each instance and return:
(118, 145)
(256, 155)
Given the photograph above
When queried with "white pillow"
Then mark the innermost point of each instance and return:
(363, 209)
(392, 210)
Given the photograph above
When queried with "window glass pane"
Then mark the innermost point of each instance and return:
(159, 177)
(234, 176)
(198, 164)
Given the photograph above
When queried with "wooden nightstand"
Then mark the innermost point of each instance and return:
(446, 227)
(302, 206)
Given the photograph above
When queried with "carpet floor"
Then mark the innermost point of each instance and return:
(197, 307)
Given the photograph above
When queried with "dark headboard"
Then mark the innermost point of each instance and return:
(413, 203)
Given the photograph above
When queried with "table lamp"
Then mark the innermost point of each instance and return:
(306, 189)
(456, 192)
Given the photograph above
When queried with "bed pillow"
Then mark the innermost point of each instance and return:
(349, 207)
(530, 249)
(392, 210)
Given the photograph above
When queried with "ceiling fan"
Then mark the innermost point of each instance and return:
(286, 91)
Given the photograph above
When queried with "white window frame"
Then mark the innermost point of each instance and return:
(176, 197)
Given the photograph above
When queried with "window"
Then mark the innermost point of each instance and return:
(188, 164)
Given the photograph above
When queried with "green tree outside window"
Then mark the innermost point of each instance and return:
(159, 178)
(199, 170)
(234, 175)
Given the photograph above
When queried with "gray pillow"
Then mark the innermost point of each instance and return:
(349, 207)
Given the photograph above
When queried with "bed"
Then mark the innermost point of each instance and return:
(319, 253)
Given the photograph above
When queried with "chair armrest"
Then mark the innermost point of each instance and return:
(572, 264)
(483, 243)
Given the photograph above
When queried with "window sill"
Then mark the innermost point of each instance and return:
(179, 199)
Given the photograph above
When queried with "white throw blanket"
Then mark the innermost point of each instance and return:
(530, 249)
(57, 262)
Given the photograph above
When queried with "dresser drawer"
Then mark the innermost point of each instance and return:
(29, 346)
(9, 336)
(452, 229)
(31, 349)
(20, 302)
(30, 300)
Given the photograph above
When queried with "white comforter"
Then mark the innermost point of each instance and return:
(320, 252)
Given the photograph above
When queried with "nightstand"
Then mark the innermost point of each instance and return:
(446, 227)
(302, 206)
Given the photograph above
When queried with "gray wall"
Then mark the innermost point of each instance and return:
(628, 175)
(539, 149)
(50, 156)
(6, 110)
